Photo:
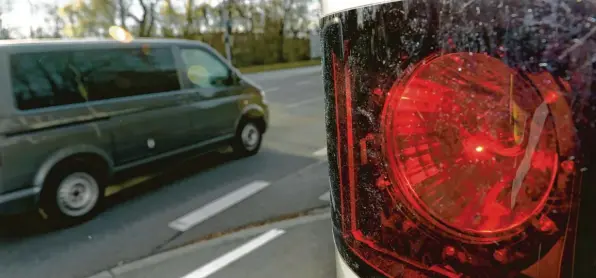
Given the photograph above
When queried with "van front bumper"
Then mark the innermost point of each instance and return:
(19, 201)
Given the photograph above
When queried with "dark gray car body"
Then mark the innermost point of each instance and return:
(121, 132)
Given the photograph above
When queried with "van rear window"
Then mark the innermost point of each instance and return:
(47, 79)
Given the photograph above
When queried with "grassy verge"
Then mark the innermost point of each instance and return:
(297, 64)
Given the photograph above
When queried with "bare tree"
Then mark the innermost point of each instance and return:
(146, 21)
(287, 5)
(54, 20)
(264, 30)
(292, 18)
(123, 7)
(188, 8)
(5, 7)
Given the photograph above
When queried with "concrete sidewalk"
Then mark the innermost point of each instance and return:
(299, 247)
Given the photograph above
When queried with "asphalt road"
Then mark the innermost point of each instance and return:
(212, 196)
(285, 249)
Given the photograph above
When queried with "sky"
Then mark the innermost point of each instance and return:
(21, 16)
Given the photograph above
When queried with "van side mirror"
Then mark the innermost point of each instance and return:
(233, 78)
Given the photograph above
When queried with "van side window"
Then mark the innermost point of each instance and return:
(128, 72)
(66, 77)
(42, 80)
(204, 70)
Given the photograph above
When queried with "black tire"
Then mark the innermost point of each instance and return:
(243, 147)
(68, 177)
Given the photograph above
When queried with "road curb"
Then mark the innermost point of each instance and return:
(314, 215)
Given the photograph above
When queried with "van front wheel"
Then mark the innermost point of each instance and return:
(248, 139)
(73, 193)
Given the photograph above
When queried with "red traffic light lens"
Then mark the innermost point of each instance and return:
(470, 144)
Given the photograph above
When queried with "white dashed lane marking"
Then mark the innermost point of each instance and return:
(325, 197)
(205, 212)
(306, 101)
(320, 152)
(235, 254)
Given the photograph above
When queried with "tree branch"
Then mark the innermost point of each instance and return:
(151, 19)
(143, 5)
(136, 18)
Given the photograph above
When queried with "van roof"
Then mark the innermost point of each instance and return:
(42, 43)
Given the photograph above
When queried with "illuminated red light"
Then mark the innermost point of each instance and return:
(568, 166)
(377, 91)
(551, 97)
(500, 255)
(463, 119)
(545, 224)
(449, 251)
(432, 188)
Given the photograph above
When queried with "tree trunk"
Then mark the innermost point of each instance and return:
(282, 40)
(123, 14)
(189, 18)
(71, 23)
(151, 20)
(281, 33)
(143, 21)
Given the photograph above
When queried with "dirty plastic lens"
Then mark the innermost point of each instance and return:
(457, 131)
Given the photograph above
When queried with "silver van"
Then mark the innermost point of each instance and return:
(74, 112)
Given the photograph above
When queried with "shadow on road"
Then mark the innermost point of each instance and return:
(135, 221)
(167, 187)
(162, 173)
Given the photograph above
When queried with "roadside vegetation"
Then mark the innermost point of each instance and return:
(280, 66)
(266, 34)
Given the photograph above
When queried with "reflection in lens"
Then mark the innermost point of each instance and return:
(198, 75)
(120, 34)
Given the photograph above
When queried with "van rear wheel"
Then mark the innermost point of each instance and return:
(248, 139)
(73, 193)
